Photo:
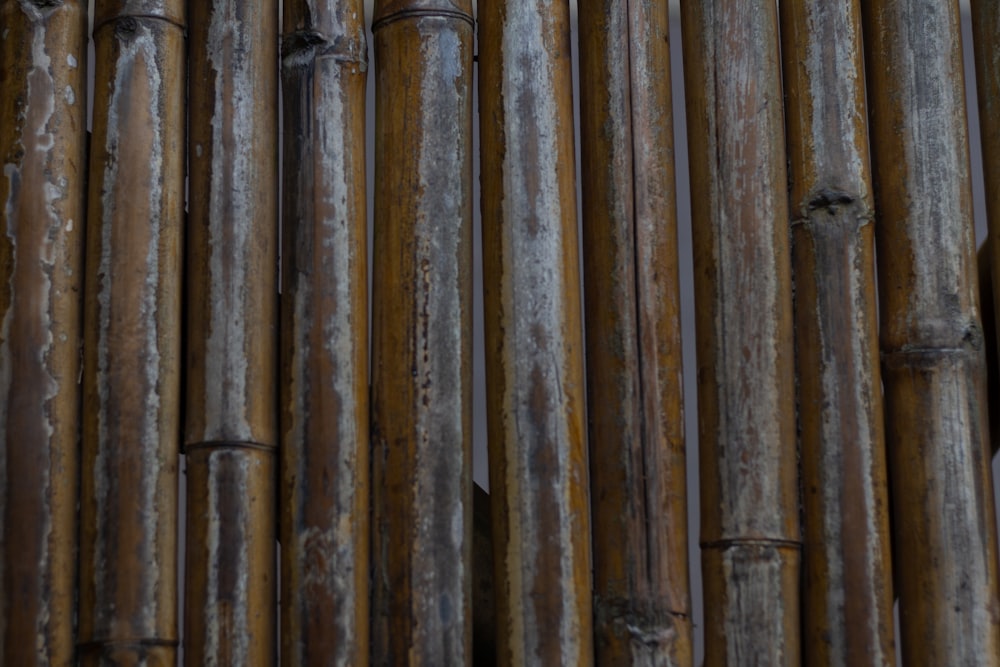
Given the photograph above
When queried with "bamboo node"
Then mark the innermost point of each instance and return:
(303, 47)
(736, 542)
(417, 13)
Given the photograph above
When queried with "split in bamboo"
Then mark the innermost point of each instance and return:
(847, 579)
(132, 317)
(749, 477)
(988, 313)
(422, 333)
(43, 106)
(945, 554)
(231, 430)
(324, 349)
(534, 356)
(634, 363)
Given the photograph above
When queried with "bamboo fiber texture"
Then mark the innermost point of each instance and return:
(749, 500)
(637, 462)
(231, 430)
(324, 350)
(132, 318)
(847, 577)
(42, 152)
(422, 333)
(534, 355)
(931, 338)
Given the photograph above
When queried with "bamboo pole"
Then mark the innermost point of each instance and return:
(635, 394)
(132, 316)
(484, 636)
(324, 319)
(422, 334)
(535, 383)
(749, 501)
(42, 207)
(231, 431)
(945, 564)
(847, 578)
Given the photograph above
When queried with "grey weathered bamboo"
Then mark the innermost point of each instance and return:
(324, 337)
(945, 564)
(132, 320)
(534, 355)
(746, 393)
(231, 430)
(422, 333)
(847, 576)
(642, 609)
(43, 161)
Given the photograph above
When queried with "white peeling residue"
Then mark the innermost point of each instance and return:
(71, 60)
(197, 149)
(69, 95)
(69, 225)
(226, 363)
(538, 307)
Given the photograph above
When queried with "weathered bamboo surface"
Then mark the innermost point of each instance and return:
(847, 577)
(42, 208)
(932, 342)
(132, 320)
(534, 355)
(749, 481)
(422, 334)
(324, 334)
(986, 45)
(231, 430)
(636, 422)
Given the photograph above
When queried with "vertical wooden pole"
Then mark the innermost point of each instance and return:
(324, 350)
(534, 356)
(131, 379)
(42, 207)
(422, 330)
(931, 338)
(635, 394)
(231, 432)
(746, 393)
(847, 578)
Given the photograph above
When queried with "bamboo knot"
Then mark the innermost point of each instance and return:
(829, 199)
(303, 47)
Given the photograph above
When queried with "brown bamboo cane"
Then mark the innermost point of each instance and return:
(484, 636)
(847, 577)
(945, 557)
(324, 351)
(422, 333)
(534, 366)
(635, 394)
(132, 318)
(749, 501)
(42, 207)
(231, 430)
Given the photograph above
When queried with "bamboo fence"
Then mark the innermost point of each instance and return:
(174, 330)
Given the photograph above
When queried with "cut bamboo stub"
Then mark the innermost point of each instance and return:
(422, 334)
(132, 316)
(637, 460)
(324, 348)
(534, 356)
(931, 337)
(43, 106)
(847, 579)
(231, 431)
(749, 477)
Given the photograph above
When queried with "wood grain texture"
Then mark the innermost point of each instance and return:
(847, 576)
(132, 360)
(749, 476)
(43, 67)
(945, 557)
(635, 394)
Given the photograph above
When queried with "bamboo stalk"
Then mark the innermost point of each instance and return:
(42, 207)
(749, 501)
(847, 578)
(945, 563)
(131, 379)
(324, 383)
(422, 332)
(231, 431)
(535, 383)
(635, 394)
(484, 635)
